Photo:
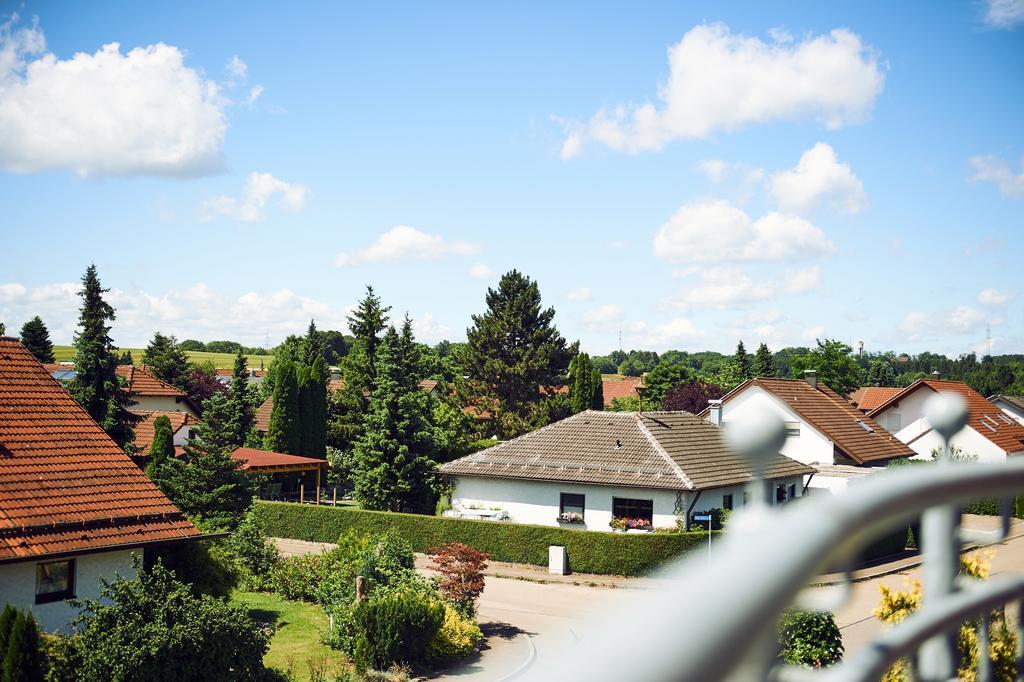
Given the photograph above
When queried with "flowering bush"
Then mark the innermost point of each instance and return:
(570, 517)
(626, 523)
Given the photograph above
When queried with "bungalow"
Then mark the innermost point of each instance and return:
(653, 467)
(1011, 405)
(824, 428)
(74, 509)
(991, 435)
(182, 426)
(151, 394)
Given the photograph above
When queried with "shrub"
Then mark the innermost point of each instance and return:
(462, 575)
(809, 639)
(208, 566)
(256, 555)
(62, 657)
(396, 626)
(893, 542)
(22, 660)
(589, 551)
(456, 639)
(7, 618)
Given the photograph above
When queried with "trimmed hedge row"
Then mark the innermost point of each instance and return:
(589, 552)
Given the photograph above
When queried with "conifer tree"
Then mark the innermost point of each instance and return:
(3, 329)
(305, 382)
(7, 617)
(207, 485)
(162, 447)
(216, 428)
(242, 414)
(36, 338)
(284, 431)
(581, 383)
(598, 402)
(126, 359)
(316, 423)
(23, 661)
(96, 385)
(392, 465)
(742, 361)
(764, 363)
(168, 361)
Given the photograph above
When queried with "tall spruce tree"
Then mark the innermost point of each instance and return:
(96, 385)
(168, 361)
(764, 363)
(742, 361)
(243, 416)
(284, 433)
(393, 465)
(207, 485)
(36, 338)
(581, 383)
(514, 350)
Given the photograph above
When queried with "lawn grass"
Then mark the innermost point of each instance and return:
(220, 360)
(297, 641)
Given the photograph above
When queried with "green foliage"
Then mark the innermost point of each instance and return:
(742, 361)
(764, 364)
(834, 364)
(891, 543)
(809, 639)
(207, 485)
(589, 552)
(208, 567)
(284, 433)
(168, 362)
(154, 628)
(662, 379)
(457, 638)
(257, 556)
(582, 385)
(162, 447)
(514, 351)
(638, 362)
(96, 386)
(36, 338)
(396, 626)
(7, 617)
(240, 402)
(22, 658)
(881, 373)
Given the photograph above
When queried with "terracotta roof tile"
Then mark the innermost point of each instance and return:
(262, 421)
(668, 450)
(262, 459)
(869, 397)
(145, 429)
(142, 382)
(64, 484)
(985, 418)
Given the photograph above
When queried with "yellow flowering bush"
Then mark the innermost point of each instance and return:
(456, 639)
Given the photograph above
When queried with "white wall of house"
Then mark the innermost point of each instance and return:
(537, 502)
(810, 447)
(18, 585)
(1010, 410)
(161, 403)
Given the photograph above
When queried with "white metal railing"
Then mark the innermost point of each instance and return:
(717, 620)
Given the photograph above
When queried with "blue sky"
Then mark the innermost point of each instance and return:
(683, 174)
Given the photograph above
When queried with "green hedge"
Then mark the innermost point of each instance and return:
(589, 551)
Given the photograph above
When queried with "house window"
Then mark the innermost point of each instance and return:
(780, 494)
(792, 491)
(792, 429)
(571, 503)
(623, 507)
(55, 581)
(727, 501)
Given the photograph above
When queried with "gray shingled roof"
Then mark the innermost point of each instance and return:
(670, 450)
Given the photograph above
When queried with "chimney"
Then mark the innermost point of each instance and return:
(936, 375)
(811, 377)
(715, 412)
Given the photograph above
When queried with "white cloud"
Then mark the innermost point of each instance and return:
(992, 298)
(726, 288)
(481, 271)
(1004, 13)
(581, 295)
(139, 113)
(259, 189)
(960, 320)
(716, 231)
(402, 243)
(429, 330)
(998, 172)
(237, 70)
(818, 177)
(254, 94)
(604, 316)
(722, 81)
(678, 331)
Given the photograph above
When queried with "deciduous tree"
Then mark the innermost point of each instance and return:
(834, 365)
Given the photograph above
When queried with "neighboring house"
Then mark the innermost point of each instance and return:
(824, 428)
(64, 372)
(867, 398)
(256, 376)
(182, 425)
(153, 395)
(612, 388)
(74, 509)
(1011, 405)
(990, 434)
(654, 466)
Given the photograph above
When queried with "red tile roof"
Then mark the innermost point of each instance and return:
(985, 418)
(65, 486)
(262, 422)
(262, 459)
(619, 388)
(142, 382)
(852, 433)
(145, 429)
(868, 398)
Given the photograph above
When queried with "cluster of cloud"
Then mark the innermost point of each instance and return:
(259, 189)
(143, 112)
(726, 288)
(998, 172)
(940, 323)
(819, 177)
(610, 318)
(719, 80)
(1006, 14)
(480, 271)
(404, 243)
(579, 295)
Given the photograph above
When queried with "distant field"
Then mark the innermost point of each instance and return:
(65, 353)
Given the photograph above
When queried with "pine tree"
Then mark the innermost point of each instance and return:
(514, 350)
(168, 361)
(284, 431)
(162, 447)
(366, 322)
(207, 485)
(126, 359)
(36, 338)
(392, 466)
(96, 385)
(23, 661)
(242, 414)
(216, 428)
(581, 383)
(742, 361)
(598, 403)
(305, 383)
(315, 347)
(764, 363)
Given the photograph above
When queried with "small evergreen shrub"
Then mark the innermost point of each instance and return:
(256, 556)
(22, 659)
(809, 639)
(396, 627)
(457, 638)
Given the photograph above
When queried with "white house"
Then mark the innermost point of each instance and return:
(153, 395)
(73, 507)
(581, 472)
(182, 426)
(1011, 405)
(990, 435)
(824, 428)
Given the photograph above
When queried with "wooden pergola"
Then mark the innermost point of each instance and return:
(265, 462)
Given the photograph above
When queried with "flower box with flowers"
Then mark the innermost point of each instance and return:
(570, 517)
(625, 523)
